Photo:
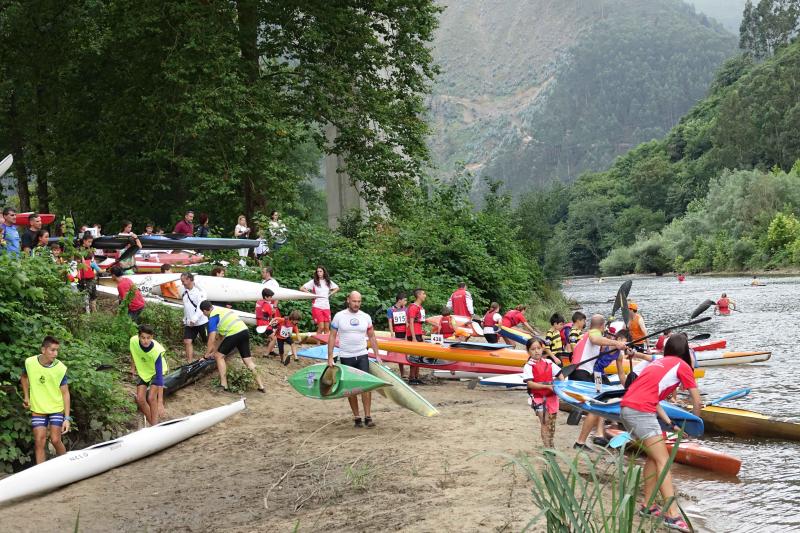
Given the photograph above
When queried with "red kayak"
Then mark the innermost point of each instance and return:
(694, 454)
(710, 345)
(23, 218)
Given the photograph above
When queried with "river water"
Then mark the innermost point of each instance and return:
(766, 495)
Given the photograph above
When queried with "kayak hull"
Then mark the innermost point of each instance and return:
(731, 358)
(81, 464)
(744, 423)
(502, 356)
(513, 335)
(698, 456)
(400, 393)
(348, 382)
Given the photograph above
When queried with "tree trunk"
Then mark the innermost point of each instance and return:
(248, 44)
(18, 150)
(43, 194)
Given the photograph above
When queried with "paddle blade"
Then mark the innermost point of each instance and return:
(626, 313)
(574, 417)
(620, 440)
(701, 337)
(622, 294)
(702, 308)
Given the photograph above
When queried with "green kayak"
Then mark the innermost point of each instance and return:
(329, 383)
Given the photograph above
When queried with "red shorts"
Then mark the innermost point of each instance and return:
(320, 315)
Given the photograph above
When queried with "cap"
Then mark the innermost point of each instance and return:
(632, 306)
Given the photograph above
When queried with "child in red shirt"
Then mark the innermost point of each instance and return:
(284, 328)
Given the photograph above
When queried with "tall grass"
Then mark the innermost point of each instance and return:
(588, 494)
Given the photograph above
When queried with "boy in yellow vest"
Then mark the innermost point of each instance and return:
(148, 365)
(224, 323)
(46, 394)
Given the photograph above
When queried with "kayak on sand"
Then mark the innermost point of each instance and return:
(80, 464)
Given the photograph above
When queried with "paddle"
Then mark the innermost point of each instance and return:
(621, 301)
(735, 395)
(620, 440)
(569, 369)
(700, 337)
(702, 308)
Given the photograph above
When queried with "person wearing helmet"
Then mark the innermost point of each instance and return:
(637, 328)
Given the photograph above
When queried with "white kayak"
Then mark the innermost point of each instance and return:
(81, 464)
(5, 164)
(220, 289)
(512, 381)
(460, 374)
(247, 318)
(719, 358)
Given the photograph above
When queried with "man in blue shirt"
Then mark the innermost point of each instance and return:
(9, 236)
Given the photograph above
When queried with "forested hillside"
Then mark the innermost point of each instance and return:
(728, 12)
(579, 82)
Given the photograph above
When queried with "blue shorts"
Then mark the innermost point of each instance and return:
(42, 421)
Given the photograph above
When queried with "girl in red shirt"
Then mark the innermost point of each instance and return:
(538, 374)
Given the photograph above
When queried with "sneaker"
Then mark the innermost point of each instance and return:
(600, 441)
(287, 359)
(357, 423)
(581, 447)
(677, 523)
(654, 511)
(368, 422)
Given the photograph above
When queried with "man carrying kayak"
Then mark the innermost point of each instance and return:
(353, 327)
(46, 393)
(148, 366)
(724, 305)
(640, 411)
(223, 322)
(584, 356)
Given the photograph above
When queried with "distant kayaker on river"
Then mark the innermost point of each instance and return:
(148, 366)
(46, 393)
(640, 412)
(724, 305)
(637, 328)
(353, 328)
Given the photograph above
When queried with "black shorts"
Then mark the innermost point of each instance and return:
(140, 382)
(239, 341)
(418, 337)
(191, 333)
(89, 286)
(491, 338)
(282, 342)
(586, 376)
(399, 334)
(360, 362)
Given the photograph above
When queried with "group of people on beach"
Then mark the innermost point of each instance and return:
(654, 378)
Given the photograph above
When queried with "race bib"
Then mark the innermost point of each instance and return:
(437, 338)
(422, 315)
(399, 317)
(286, 331)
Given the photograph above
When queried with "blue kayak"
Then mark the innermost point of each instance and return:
(605, 404)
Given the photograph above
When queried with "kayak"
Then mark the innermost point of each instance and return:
(173, 241)
(513, 335)
(400, 393)
(706, 359)
(5, 164)
(512, 381)
(612, 369)
(345, 382)
(606, 403)
(24, 218)
(81, 464)
(694, 454)
(456, 352)
(238, 290)
(744, 423)
(108, 288)
(151, 263)
(710, 345)
(187, 374)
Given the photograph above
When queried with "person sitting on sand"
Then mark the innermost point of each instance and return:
(538, 374)
(353, 327)
(640, 411)
(148, 366)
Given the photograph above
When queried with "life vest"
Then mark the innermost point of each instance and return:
(145, 361)
(635, 328)
(724, 306)
(553, 340)
(45, 383)
(542, 373)
(488, 319)
(565, 331)
(229, 322)
(446, 326)
(459, 301)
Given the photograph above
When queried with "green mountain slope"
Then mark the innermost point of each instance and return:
(728, 12)
(576, 85)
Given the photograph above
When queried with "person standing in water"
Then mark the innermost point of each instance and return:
(353, 328)
(322, 286)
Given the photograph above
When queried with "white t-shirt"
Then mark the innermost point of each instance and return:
(644, 363)
(321, 290)
(590, 350)
(496, 318)
(192, 315)
(352, 329)
(271, 284)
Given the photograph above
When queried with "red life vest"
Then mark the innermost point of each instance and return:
(542, 373)
(459, 301)
(488, 319)
(723, 305)
(446, 326)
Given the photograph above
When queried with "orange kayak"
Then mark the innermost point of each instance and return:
(696, 455)
(500, 356)
(612, 369)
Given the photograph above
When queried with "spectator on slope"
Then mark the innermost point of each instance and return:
(31, 235)
(202, 228)
(277, 231)
(125, 285)
(194, 320)
(9, 236)
(185, 226)
(88, 271)
(322, 286)
(242, 231)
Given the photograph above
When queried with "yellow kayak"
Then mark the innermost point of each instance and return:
(612, 369)
(491, 355)
(744, 423)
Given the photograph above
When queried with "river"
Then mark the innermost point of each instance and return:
(766, 494)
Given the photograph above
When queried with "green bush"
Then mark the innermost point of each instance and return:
(620, 261)
(34, 302)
